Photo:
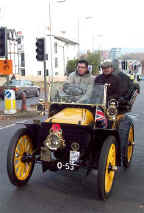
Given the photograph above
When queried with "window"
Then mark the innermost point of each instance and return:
(56, 62)
(27, 83)
(14, 83)
(55, 47)
(22, 60)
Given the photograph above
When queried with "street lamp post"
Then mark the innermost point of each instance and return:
(50, 28)
(78, 32)
(99, 44)
(92, 39)
(51, 31)
(78, 37)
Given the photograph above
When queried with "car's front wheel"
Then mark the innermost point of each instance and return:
(107, 167)
(19, 166)
(129, 147)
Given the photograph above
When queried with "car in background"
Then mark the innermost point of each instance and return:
(28, 88)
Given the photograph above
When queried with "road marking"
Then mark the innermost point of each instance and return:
(11, 125)
(8, 126)
(133, 116)
(21, 122)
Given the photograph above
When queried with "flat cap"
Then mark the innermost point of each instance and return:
(106, 64)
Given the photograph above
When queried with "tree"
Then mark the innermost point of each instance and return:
(71, 66)
(94, 60)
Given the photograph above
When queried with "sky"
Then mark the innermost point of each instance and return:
(112, 23)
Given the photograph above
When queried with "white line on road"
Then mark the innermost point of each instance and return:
(11, 125)
(8, 126)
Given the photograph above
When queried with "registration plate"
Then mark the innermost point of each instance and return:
(74, 157)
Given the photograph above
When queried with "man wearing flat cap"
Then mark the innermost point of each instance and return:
(108, 77)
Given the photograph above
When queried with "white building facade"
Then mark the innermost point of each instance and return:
(60, 50)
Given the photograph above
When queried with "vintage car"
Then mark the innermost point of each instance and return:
(90, 131)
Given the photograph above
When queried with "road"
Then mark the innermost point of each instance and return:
(61, 192)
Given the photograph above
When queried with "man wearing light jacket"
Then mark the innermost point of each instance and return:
(82, 78)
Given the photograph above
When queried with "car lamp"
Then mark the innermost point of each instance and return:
(54, 140)
(112, 109)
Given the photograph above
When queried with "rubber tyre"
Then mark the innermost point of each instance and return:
(10, 159)
(127, 162)
(124, 129)
(37, 93)
(109, 141)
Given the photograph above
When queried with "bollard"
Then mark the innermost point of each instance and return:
(23, 104)
(9, 102)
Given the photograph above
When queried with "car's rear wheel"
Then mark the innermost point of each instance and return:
(126, 133)
(19, 169)
(129, 147)
(107, 167)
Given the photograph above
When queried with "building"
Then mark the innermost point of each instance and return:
(115, 53)
(105, 54)
(59, 50)
(15, 44)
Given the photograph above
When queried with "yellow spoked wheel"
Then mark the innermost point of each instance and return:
(130, 144)
(19, 158)
(129, 147)
(107, 167)
(109, 173)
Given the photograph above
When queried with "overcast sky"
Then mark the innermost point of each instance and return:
(119, 22)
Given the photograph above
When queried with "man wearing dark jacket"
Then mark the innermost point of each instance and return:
(109, 78)
(126, 83)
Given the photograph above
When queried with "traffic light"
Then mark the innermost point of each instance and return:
(135, 67)
(19, 40)
(40, 49)
(124, 65)
(23, 72)
(3, 42)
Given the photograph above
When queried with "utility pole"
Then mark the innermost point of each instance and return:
(50, 27)
(45, 73)
(78, 37)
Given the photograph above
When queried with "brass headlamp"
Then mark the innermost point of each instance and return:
(112, 109)
(54, 140)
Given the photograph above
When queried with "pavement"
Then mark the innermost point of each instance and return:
(13, 118)
(72, 192)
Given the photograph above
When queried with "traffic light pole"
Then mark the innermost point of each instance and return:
(45, 80)
(6, 49)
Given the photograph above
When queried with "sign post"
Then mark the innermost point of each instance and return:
(9, 101)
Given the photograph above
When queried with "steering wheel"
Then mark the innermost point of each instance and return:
(72, 89)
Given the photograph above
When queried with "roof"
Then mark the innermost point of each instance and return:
(67, 41)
